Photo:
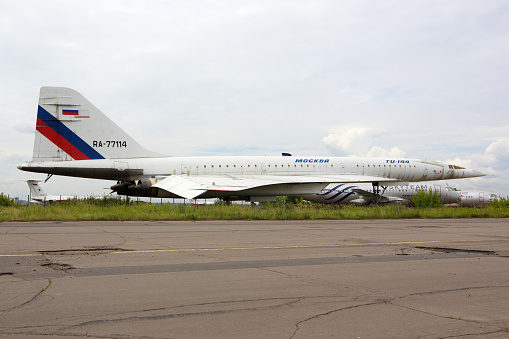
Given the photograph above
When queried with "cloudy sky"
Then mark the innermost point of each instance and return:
(416, 79)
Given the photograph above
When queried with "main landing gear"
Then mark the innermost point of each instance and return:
(378, 192)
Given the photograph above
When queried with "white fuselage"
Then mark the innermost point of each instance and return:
(52, 198)
(475, 198)
(245, 177)
(411, 170)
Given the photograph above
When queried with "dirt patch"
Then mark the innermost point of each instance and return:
(57, 266)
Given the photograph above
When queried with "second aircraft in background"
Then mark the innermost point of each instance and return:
(39, 195)
(362, 194)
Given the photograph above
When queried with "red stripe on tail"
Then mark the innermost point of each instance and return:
(60, 141)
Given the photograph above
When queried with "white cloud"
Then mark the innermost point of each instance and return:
(394, 152)
(495, 156)
(494, 162)
(360, 141)
(498, 152)
(352, 141)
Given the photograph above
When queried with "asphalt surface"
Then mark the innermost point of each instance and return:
(255, 279)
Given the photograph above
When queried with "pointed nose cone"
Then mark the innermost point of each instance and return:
(469, 173)
(478, 173)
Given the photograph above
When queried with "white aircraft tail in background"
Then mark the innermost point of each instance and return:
(73, 138)
(39, 195)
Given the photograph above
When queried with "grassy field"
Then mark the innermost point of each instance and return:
(115, 211)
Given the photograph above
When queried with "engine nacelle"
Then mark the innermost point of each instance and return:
(138, 188)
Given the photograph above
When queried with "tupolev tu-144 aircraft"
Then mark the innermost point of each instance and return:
(74, 138)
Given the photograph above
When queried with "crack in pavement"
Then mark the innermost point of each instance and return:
(13, 229)
(456, 250)
(501, 254)
(381, 301)
(57, 266)
(217, 303)
(29, 301)
(304, 279)
(115, 234)
(474, 334)
(391, 302)
(451, 290)
(283, 302)
(459, 319)
(38, 240)
(93, 250)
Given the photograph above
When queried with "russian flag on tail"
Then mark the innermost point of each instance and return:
(63, 137)
(70, 112)
(74, 113)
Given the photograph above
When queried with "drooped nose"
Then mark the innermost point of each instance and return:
(469, 173)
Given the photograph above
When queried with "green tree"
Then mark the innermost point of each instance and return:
(500, 202)
(6, 201)
(427, 199)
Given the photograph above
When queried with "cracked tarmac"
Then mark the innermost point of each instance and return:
(255, 279)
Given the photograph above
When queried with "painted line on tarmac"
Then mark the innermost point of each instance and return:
(306, 246)
(274, 247)
(21, 255)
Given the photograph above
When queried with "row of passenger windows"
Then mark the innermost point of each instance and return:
(390, 166)
(234, 166)
(307, 165)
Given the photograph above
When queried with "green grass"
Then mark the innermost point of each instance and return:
(116, 211)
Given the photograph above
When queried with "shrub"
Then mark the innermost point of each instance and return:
(427, 199)
(6, 201)
(500, 202)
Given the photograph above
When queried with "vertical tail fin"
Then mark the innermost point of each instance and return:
(69, 127)
(35, 189)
